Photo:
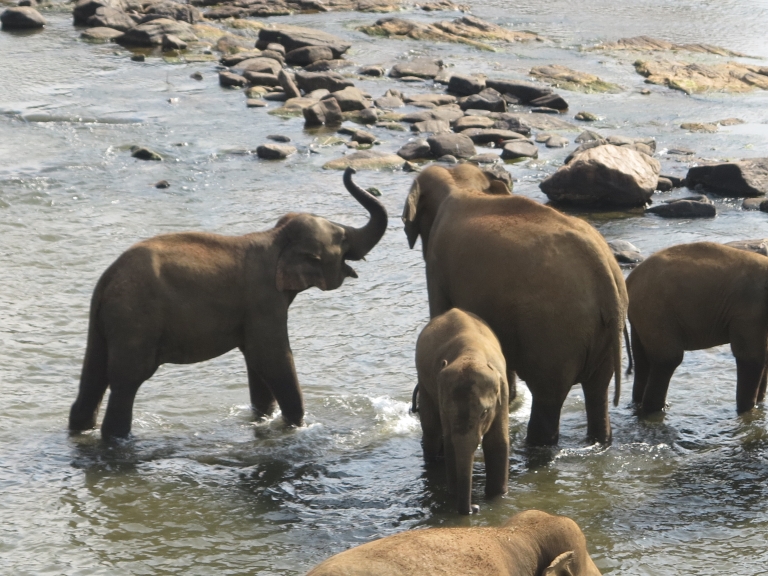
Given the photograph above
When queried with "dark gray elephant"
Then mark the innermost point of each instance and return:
(189, 297)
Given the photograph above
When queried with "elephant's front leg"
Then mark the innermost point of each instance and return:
(496, 455)
(749, 374)
(431, 427)
(763, 383)
(262, 400)
(512, 386)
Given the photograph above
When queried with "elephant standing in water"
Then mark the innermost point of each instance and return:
(547, 284)
(696, 296)
(463, 400)
(189, 297)
(532, 543)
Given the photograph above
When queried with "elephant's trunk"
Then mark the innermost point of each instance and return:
(464, 458)
(362, 240)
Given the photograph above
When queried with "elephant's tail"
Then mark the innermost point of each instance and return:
(617, 366)
(415, 399)
(629, 351)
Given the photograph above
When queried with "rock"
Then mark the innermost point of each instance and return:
(278, 56)
(458, 145)
(484, 136)
(545, 110)
(588, 136)
(433, 126)
(487, 158)
(350, 98)
(604, 176)
(275, 47)
(276, 96)
(143, 153)
(293, 37)
(84, 9)
(698, 127)
(676, 181)
(536, 121)
(553, 101)
(151, 33)
(175, 11)
(257, 91)
(488, 99)
(664, 184)
(389, 102)
(230, 79)
(108, 17)
(585, 116)
(324, 112)
(376, 71)
(235, 45)
(410, 167)
(745, 178)
(648, 44)
(729, 122)
(258, 66)
(255, 103)
(556, 141)
(308, 55)
(685, 208)
(368, 116)
(235, 59)
(100, 34)
(162, 184)
(365, 160)
(21, 18)
(448, 159)
(278, 138)
(418, 149)
(466, 122)
(568, 79)
(752, 203)
(171, 42)
(363, 137)
(759, 246)
(395, 126)
(466, 85)
(275, 151)
(697, 78)
(326, 65)
(519, 149)
(288, 85)
(331, 81)
(434, 99)
(420, 68)
(260, 79)
(138, 57)
(642, 145)
(525, 92)
(626, 253)
(447, 113)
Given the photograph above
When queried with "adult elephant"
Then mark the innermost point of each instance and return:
(189, 297)
(696, 296)
(547, 284)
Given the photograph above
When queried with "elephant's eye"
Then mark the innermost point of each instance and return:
(485, 412)
(313, 257)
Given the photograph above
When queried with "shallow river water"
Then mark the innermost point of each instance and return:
(201, 489)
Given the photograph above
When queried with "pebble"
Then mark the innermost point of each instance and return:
(138, 57)
(162, 184)
(196, 76)
(142, 153)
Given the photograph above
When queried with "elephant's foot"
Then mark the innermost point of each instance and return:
(80, 420)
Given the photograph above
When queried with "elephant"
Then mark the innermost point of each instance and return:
(546, 283)
(531, 543)
(189, 297)
(695, 296)
(463, 399)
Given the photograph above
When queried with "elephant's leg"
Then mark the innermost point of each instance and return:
(544, 424)
(642, 369)
(93, 384)
(748, 382)
(596, 402)
(512, 382)
(496, 455)
(127, 370)
(262, 400)
(431, 427)
(763, 382)
(659, 375)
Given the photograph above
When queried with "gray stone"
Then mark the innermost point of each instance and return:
(684, 208)
(458, 145)
(745, 178)
(278, 138)
(524, 91)
(521, 149)
(552, 101)
(626, 253)
(175, 11)
(108, 17)
(368, 116)
(466, 122)
(484, 136)
(21, 18)
(260, 79)
(100, 34)
(235, 59)
(418, 149)
(349, 99)
(588, 136)
(293, 37)
(365, 160)
(151, 33)
(308, 55)
(586, 116)
(288, 85)
(440, 113)
(230, 79)
(84, 9)
(324, 112)
(466, 85)
(171, 42)
(419, 68)
(433, 126)
(752, 203)
(389, 102)
(448, 159)
(142, 153)
(487, 158)
(278, 56)
(488, 99)
(363, 137)
(664, 184)
(162, 184)
(375, 71)
(434, 99)
(258, 65)
(331, 81)
(276, 96)
(275, 151)
(556, 141)
(255, 103)
(326, 65)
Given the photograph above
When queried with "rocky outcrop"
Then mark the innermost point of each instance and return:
(568, 79)
(21, 18)
(604, 176)
(696, 78)
(648, 44)
(745, 178)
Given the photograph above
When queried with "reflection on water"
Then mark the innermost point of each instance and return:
(202, 489)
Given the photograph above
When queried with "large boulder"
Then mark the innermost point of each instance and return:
(84, 9)
(175, 11)
(445, 144)
(151, 33)
(324, 112)
(466, 85)
(107, 17)
(21, 18)
(293, 37)
(607, 175)
(745, 178)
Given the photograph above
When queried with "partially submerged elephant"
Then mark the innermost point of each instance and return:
(696, 296)
(532, 543)
(547, 284)
(463, 400)
(189, 297)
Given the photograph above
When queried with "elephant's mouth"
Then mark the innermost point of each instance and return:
(348, 271)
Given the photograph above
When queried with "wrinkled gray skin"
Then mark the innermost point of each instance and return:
(189, 297)
(696, 296)
(532, 543)
(463, 400)
(547, 284)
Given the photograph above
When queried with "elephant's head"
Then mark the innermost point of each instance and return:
(314, 251)
(432, 186)
(471, 396)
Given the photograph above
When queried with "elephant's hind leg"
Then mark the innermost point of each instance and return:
(93, 384)
(659, 375)
(642, 369)
(749, 383)
(128, 369)
(596, 402)
(544, 424)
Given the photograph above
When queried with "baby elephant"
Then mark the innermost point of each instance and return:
(463, 399)
(532, 543)
(696, 296)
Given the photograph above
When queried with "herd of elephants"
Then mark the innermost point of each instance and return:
(516, 288)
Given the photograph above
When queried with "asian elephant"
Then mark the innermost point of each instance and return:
(531, 543)
(696, 296)
(188, 297)
(463, 400)
(547, 284)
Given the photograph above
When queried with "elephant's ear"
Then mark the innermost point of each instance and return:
(297, 271)
(560, 566)
(409, 214)
(499, 188)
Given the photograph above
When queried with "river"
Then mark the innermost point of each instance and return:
(201, 489)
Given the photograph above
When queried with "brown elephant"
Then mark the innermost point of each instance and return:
(696, 296)
(532, 543)
(189, 297)
(463, 400)
(547, 284)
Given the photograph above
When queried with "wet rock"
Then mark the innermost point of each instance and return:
(108, 17)
(434, 99)
(258, 66)
(375, 71)
(394, 126)
(326, 65)
(537, 121)
(84, 9)
(389, 102)
(100, 34)
(606, 175)
(458, 145)
(278, 138)
(745, 178)
(308, 55)
(553, 101)
(21, 18)
(324, 112)
(664, 184)
(294, 37)
(556, 141)
(698, 127)
(488, 99)
(466, 122)
(229, 44)
(697, 78)
(519, 149)
(368, 116)
(696, 207)
(626, 253)
(448, 159)
(568, 79)
(138, 57)
(759, 246)
(259, 79)
(525, 92)
(275, 47)
(288, 85)
(648, 44)
(175, 11)
(276, 96)
(643, 145)
(588, 136)
(449, 114)
(331, 81)
(485, 136)
(729, 122)
(255, 103)
(586, 116)
(275, 151)
(162, 184)
(545, 110)
(151, 33)
(466, 85)
(487, 158)
(171, 42)
(362, 137)
(365, 160)
(142, 153)
(676, 181)
(236, 58)
(432, 126)
(420, 68)
(278, 56)
(681, 151)
(231, 80)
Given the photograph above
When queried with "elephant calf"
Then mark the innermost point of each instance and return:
(532, 543)
(696, 296)
(189, 297)
(463, 399)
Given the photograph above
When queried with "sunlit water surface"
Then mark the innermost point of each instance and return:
(201, 489)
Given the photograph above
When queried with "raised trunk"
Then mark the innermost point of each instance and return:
(362, 240)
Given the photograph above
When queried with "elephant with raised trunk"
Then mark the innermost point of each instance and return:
(696, 296)
(189, 297)
(463, 399)
(547, 284)
(532, 543)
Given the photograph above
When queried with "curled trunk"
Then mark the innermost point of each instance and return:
(362, 240)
